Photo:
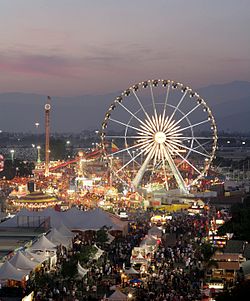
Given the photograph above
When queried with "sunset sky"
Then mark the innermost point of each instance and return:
(74, 47)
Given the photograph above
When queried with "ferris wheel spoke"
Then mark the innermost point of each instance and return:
(128, 148)
(189, 148)
(191, 126)
(127, 125)
(151, 124)
(183, 117)
(184, 159)
(202, 145)
(133, 115)
(164, 167)
(174, 169)
(143, 168)
(127, 137)
(166, 99)
(177, 107)
(192, 137)
(142, 107)
(133, 158)
(152, 97)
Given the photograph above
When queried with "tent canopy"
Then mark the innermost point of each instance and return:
(20, 261)
(155, 231)
(118, 296)
(39, 258)
(81, 271)
(65, 231)
(131, 271)
(73, 219)
(8, 272)
(43, 244)
(57, 238)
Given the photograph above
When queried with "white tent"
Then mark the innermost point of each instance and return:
(43, 244)
(65, 231)
(110, 238)
(72, 219)
(57, 238)
(81, 271)
(131, 271)
(98, 254)
(8, 272)
(155, 231)
(149, 241)
(118, 296)
(34, 256)
(20, 261)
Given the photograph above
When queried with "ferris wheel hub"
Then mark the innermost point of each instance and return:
(160, 137)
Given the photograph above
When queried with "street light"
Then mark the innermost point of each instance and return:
(38, 154)
(12, 151)
(67, 142)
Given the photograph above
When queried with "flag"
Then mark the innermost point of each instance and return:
(114, 147)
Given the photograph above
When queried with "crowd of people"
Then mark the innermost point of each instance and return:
(174, 273)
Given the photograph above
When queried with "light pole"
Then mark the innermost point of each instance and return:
(12, 151)
(38, 154)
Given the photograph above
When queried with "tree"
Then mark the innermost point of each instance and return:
(239, 224)
(102, 235)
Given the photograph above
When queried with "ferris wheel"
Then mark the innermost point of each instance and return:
(159, 131)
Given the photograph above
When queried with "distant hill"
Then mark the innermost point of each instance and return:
(229, 102)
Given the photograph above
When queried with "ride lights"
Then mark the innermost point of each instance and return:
(165, 83)
(136, 87)
(127, 92)
(155, 83)
(145, 84)
(119, 99)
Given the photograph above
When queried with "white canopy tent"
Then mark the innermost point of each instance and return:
(43, 244)
(65, 231)
(110, 238)
(9, 272)
(118, 296)
(98, 254)
(131, 271)
(57, 238)
(39, 258)
(73, 219)
(155, 231)
(20, 261)
(149, 241)
(81, 271)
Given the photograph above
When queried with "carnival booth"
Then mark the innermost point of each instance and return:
(21, 262)
(43, 245)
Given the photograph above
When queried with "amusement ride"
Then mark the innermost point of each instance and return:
(159, 131)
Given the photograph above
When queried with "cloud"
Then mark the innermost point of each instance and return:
(92, 60)
(38, 64)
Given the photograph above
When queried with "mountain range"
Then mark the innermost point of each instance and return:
(230, 104)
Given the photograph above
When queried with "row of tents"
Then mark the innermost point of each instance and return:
(73, 219)
(19, 266)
